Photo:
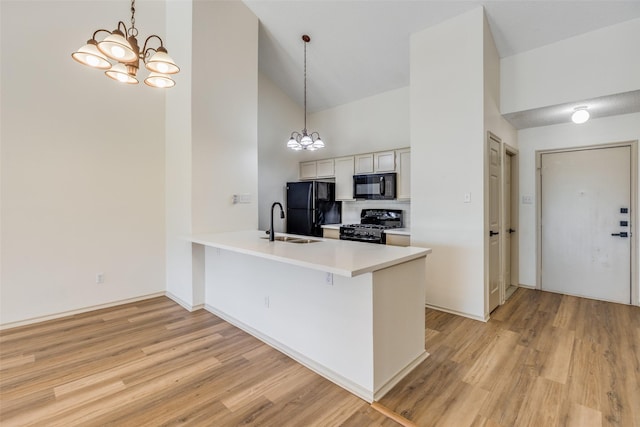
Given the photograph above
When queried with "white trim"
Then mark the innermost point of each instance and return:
(319, 369)
(78, 311)
(457, 313)
(183, 303)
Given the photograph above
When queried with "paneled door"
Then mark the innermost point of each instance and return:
(494, 223)
(585, 223)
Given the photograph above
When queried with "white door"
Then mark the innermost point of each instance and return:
(585, 244)
(494, 223)
(510, 221)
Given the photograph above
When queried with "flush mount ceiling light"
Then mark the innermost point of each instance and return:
(304, 141)
(126, 55)
(580, 115)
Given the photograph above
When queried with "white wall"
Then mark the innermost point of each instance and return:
(278, 116)
(82, 165)
(598, 63)
(177, 180)
(599, 131)
(447, 155)
(224, 116)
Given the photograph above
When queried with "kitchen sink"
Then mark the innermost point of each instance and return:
(292, 239)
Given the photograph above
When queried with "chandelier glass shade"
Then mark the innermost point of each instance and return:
(304, 140)
(119, 54)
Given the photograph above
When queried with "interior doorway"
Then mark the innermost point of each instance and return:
(510, 228)
(585, 219)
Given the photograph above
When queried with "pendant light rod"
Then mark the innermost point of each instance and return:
(304, 141)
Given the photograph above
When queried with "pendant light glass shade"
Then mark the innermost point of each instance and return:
(120, 73)
(116, 47)
(159, 80)
(90, 56)
(161, 62)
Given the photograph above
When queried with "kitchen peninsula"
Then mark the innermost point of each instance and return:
(353, 312)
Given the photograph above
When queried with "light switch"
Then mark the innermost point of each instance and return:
(527, 200)
(467, 197)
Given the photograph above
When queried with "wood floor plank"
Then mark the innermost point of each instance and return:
(543, 359)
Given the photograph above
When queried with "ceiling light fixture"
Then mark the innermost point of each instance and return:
(304, 141)
(127, 55)
(580, 115)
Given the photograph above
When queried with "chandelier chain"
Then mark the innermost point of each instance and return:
(133, 31)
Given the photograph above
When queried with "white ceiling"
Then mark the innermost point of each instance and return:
(361, 48)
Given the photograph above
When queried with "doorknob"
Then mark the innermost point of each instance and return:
(621, 234)
(511, 230)
(493, 233)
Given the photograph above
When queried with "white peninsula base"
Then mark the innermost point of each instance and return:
(363, 332)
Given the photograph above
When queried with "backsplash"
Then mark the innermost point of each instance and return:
(351, 210)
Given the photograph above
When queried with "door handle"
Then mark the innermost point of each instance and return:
(493, 233)
(511, 230)
(621, 234)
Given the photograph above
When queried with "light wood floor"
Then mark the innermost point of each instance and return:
(542, 360)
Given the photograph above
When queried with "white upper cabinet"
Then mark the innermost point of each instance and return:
(364, 163)
(344, 167)
(384, 161)
(317, 169)
(308, 170)
(403, 168)
(325, 168)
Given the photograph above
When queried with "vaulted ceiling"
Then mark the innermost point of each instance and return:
(361, 48)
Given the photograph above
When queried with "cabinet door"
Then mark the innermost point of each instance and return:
(385, 161)
(364, 163)
(344, 178)
(308, 170)
(404, 174)
(325, 168)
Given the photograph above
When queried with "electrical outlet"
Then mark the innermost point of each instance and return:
(99, 278)
(266, 302)
(467, 197)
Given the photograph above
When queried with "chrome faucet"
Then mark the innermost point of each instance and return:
(272, 234)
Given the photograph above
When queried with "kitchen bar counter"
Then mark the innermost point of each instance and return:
(340, 257)
(352, 312)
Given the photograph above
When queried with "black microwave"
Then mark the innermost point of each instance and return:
(378, 186)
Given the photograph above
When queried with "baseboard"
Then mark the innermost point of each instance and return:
(379, 394)
(78, 311)
(457, 313)
(527, 286)
(319, 369)
(183, 303)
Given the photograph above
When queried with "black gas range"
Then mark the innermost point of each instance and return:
(373, 222)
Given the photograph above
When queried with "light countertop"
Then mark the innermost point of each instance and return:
(342, 257)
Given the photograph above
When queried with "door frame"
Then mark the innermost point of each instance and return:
(635, 292)
(508, 150)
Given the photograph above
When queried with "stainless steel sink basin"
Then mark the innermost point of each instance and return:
(292, 239)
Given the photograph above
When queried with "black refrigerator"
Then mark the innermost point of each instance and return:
(310, 204)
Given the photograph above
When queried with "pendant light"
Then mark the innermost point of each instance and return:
(305, 141)
(120, 46)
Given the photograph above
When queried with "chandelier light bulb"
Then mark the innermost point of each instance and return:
(159, 80)
(90, 55)
(580, 115)
(120, 74)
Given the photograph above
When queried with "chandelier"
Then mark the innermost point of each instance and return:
(304, 141)
(126, 55)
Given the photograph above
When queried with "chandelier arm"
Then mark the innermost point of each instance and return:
(95, 33)
(143, 52)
